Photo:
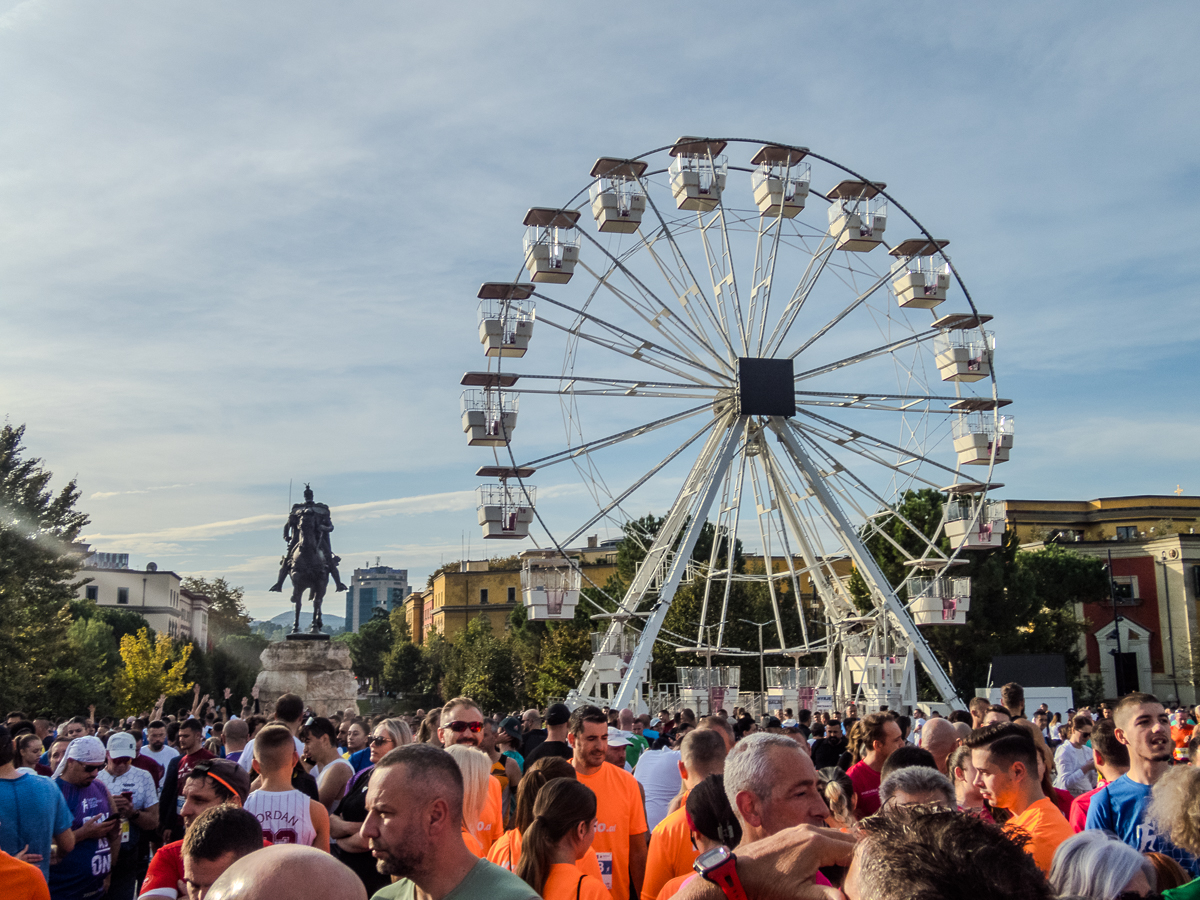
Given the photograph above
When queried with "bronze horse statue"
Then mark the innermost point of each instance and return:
(309, 568)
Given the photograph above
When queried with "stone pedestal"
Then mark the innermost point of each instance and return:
(319, 671)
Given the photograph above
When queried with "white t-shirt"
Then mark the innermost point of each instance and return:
(657, 772)
(319, 772)
(137, 781)
(163, 756)
(246, 760)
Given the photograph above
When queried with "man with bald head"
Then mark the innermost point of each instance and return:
(287, 871)
(939, 737)
(414, 828)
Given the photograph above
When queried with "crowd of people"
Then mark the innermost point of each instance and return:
(219, 801)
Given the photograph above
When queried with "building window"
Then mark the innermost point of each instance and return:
(1127, 533)
(92, 592)
(1125, 590)
(483, 595)
(512, 595)
(122, 595)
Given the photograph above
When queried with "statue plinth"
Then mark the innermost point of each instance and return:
(319, 671)
(306, 636)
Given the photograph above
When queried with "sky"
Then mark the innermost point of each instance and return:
(240, 244)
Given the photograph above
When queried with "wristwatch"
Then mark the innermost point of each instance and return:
(719, 866)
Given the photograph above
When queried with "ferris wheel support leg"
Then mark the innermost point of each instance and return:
(866, 562)
(687, 515)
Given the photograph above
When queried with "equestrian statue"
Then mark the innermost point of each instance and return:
(309, 559)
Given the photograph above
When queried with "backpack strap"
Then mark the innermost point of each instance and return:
(579, 886)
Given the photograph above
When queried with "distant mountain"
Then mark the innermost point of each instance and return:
(332, 623)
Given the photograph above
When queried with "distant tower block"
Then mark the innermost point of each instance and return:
(551, 244)
(549, 586)
(780, 181)
(974, 524)
(926, 276)
(506, 316)
(698, 173)
(977, 435)
(505, 511)
(488, 417)
(964, 355)
(618, 198)
(857, 218)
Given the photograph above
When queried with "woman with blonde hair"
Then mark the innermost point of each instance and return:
(838, 792)
(562, 831)
(476, 770)
(1174, 811)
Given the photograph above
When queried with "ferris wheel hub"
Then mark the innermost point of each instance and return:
(766, 387)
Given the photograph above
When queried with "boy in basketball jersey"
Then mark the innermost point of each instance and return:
(286, 815)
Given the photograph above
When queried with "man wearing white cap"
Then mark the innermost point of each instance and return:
(136, 802)
(618, 740)
(84, 872)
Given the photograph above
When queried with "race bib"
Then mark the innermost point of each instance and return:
(124, 831)
(606, 868)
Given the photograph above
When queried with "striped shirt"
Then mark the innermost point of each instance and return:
(283, 815)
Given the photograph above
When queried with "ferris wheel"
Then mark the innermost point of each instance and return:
(736, 338)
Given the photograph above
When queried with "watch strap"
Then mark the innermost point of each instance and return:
(725, 876)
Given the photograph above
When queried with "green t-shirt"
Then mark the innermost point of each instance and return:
(484, 880)
(634, 749)
(1189, 891)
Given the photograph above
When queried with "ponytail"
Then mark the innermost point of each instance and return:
(561, 805)
(534, 779)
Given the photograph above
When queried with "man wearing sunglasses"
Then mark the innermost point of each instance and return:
(462, 723)
(83, 874)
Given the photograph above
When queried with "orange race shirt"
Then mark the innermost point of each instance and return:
(671, 888)
(506, 853)
(566, 883)
(491, 820)
(23, 881)
(472, 843)
(671, 853)
(1046, 825)
(619, 816)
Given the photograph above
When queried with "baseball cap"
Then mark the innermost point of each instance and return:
(121, 746)
(558, 714)
(512, 727)
(617, 737)
(789, 723)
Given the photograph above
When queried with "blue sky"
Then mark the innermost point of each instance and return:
(239, 246)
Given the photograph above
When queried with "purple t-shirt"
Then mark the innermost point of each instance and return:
(80, 874)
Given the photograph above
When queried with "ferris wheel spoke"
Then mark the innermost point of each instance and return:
(874, 401)
(636, 352)
(808, 280)
(883, 350)
(658, 315)
(689, 285)
(600, 443)
(858, 436)
(730, 504)
(722, 265)
(779, 490)
(624, 495)
(764, 535)
(764, 276)
(828, 326)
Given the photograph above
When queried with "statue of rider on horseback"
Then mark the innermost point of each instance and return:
(309, 559)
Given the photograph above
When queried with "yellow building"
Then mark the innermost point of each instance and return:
(1142, 517)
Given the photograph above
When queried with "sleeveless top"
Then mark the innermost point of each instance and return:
(81, 873)
(283, 815)
(500, 773)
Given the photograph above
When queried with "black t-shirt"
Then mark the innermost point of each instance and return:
(353, 808)
(827, 751)
(531, 741)
(549, 748)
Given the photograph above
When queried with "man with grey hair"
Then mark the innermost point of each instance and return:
(940, 738)
(917, 785)
(772, 785)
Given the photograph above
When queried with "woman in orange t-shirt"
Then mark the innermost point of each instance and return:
(564, 825)
(476, 770)
(712, 822)
(506, 851)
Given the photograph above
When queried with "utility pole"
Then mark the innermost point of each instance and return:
(1170, 626)
(1112, 596)
(762, 664)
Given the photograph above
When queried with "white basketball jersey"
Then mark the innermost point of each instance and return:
(283, 815)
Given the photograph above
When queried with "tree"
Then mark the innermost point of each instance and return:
(227, 613)
(37, 566)
(483, 667)
(370, 646)
(152, 668)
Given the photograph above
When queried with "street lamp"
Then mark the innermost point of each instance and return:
(762, 664)
(1116, 654)
(1170, 628)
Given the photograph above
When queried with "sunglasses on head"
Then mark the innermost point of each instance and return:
(460, 727)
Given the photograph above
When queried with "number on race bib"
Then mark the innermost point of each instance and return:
(606, 868)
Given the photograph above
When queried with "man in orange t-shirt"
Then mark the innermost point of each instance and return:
(620, 842)
(1006, 773)
(671, 851)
